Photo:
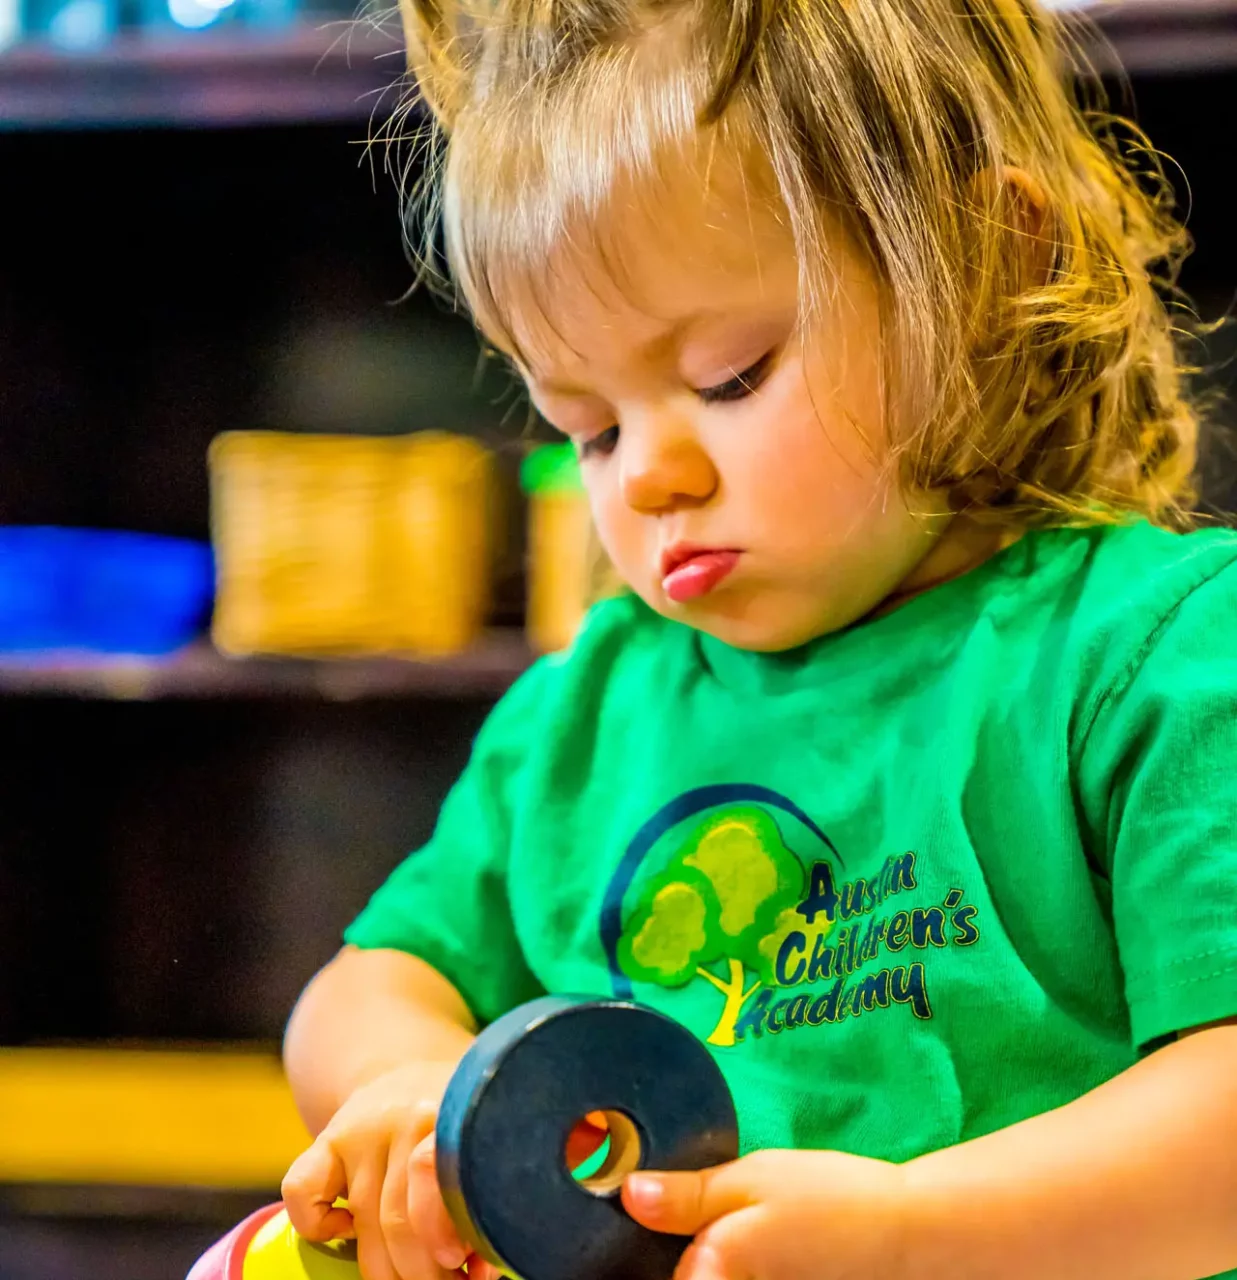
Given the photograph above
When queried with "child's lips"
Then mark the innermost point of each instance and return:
(698, 574)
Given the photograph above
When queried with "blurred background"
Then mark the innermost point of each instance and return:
(273, 538)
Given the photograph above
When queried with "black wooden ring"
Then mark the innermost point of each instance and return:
(526, 1082)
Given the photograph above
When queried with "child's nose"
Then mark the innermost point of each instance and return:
(664, 466)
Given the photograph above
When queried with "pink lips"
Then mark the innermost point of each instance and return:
(690, 574)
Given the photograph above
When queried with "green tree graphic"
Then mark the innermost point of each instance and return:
(727, 899)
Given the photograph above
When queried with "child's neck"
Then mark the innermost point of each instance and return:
(964, 546)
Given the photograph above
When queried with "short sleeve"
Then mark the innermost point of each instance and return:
(1159, 775)
(448, 903)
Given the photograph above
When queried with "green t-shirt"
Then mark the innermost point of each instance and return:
(913, 882)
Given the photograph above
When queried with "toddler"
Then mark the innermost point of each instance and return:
(904, 772)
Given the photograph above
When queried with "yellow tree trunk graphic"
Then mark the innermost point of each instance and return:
(736, 998)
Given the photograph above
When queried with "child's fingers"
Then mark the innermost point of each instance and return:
(428, 1213)
(701, 1264)
(410, 1253)
(365, 1199)
(310, 1188)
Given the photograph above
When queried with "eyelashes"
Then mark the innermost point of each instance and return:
(600, 446)
(739, 387)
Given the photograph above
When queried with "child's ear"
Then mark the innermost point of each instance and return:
(1017, 201)
(1029, 210)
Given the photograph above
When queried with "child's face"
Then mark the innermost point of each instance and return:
(734, 466)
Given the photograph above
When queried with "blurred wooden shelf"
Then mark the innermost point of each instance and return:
(1157, 37)
(336, 72)
(342, 71)
(150, 1118)
(202, 673)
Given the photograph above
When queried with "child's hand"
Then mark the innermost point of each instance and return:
(378, 1154)
(780, 1215)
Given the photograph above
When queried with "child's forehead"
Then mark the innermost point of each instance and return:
(659, 294)
(662, 260)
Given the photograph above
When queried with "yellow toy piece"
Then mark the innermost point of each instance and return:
(278, 1253)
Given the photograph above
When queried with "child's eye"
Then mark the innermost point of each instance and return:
(741, 385)
(600, 446)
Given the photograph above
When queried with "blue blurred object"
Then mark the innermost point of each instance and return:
(76, 26)
(103, 592)
(197, 15)
(10, 23)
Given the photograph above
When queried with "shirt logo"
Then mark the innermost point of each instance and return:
(735, 906)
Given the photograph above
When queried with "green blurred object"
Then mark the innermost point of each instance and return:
(594, 1164)
(552, 468)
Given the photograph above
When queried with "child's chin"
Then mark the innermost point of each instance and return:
(758, 630)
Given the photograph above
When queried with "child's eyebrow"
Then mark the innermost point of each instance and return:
(553, 387)
(670, 337)
(548, 383)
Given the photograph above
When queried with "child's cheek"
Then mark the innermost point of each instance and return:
(623, 533)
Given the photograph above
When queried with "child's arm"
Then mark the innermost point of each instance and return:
(1135, 1181)
(364, 1014)
(369, 1051)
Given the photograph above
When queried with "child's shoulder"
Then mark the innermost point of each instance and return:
(1165, 556)
(1134, 570)
(1113, 596)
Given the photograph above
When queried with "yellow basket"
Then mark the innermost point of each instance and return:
(350, 544)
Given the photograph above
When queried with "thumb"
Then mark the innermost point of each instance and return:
(316, 1180)
(683, 1204)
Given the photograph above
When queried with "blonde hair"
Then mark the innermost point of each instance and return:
(1034, 387)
